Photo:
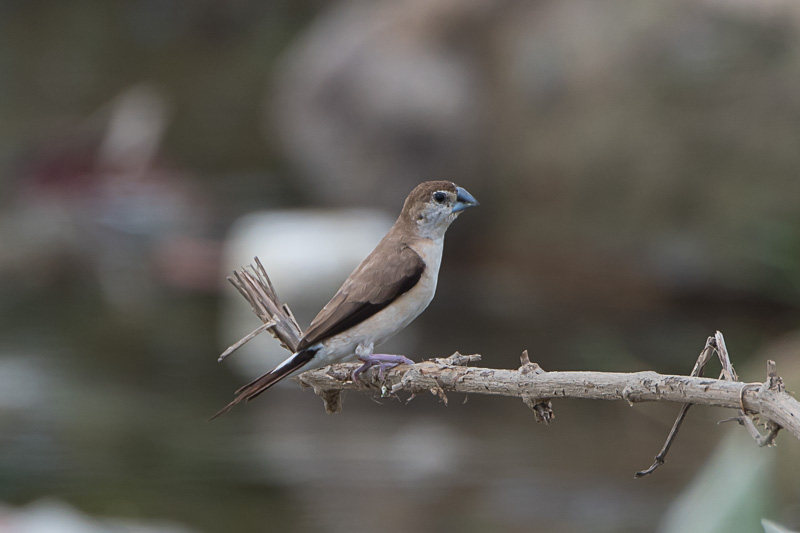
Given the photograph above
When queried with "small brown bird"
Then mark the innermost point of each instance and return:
(389, 289)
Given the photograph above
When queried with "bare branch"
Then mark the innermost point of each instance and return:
(444, 375)
(768, 401)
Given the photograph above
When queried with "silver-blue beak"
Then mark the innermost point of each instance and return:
(463, 200)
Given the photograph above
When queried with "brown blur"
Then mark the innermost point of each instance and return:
(637, 168)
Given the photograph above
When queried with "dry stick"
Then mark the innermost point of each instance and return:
(697, 371)
(247, 338)
(773, 383)
(256, 287)
(442, 376)
(713, 344)
(542, 407)
(717, 344)
(530, 383)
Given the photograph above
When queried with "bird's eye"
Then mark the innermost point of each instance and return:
(439, 196)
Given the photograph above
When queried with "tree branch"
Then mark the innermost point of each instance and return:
(441, 376)
(769, 401)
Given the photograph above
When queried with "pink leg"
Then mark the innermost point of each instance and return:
(383, 360)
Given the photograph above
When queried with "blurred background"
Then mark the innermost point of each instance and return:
(636, 163)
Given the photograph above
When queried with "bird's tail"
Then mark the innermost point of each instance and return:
(259, 385)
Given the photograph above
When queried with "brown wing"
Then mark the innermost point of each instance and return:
(378, 281)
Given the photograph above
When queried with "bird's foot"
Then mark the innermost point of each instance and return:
(384, 361)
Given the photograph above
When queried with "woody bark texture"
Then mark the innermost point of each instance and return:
(768, 401)
(442, 376)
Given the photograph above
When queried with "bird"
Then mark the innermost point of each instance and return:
(383, 295)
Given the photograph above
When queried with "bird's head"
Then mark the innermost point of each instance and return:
(433, 205)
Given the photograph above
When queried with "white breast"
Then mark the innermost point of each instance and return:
(384, 324)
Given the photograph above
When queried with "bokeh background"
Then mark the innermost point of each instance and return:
(637, 165)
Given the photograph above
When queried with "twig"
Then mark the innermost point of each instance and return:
(774, 383)
(697, 371)
(241, 342)
(542, 407)
(254, 285)
(716, 344)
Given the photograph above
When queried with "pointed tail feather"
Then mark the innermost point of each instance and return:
(259, 385)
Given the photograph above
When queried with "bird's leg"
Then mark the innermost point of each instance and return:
(363, 352)
(387, 361)
(384, 361)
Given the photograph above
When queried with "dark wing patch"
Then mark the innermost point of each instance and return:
(379, 284)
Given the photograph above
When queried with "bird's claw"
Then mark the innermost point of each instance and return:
(384, 362)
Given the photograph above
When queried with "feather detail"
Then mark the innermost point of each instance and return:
(259, 385)
(386, 274)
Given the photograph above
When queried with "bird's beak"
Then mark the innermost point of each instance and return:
(463, 200)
